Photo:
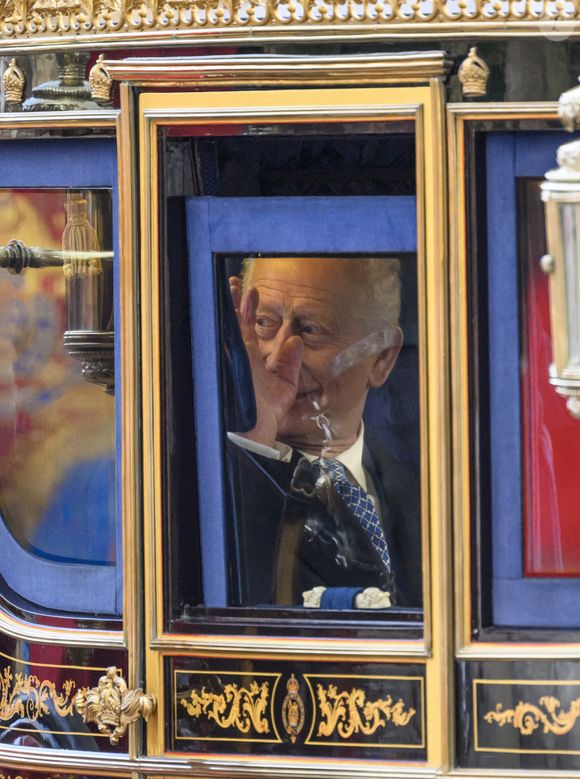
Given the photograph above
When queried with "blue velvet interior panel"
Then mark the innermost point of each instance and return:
(56, 585)
(72, 163)
(516, 600)
(252, 225)
(78, 164)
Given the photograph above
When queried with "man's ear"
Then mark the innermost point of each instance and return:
(383, 365)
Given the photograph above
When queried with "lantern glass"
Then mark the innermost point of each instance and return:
(570, 229)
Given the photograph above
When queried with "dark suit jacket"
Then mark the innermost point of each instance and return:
(284, 540)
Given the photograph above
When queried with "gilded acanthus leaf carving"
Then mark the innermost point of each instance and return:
(25, 695)
(350, 712)
(26, 17)
(236, 707)
(527, 717)
(113, 706)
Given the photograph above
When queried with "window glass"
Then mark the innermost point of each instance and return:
(342, 210)
(57, 429)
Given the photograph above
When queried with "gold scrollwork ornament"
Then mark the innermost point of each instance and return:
(14, 83)
(293, 710)
(113, 706)
(350, 712)
(236, 707)
(526, 717)
(26, 695)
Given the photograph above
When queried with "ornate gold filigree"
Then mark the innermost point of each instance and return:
(74, 17)
(113, 706)
(14, 82)
(350, 712)
(25, 695)
(526, 717)
(236, 707)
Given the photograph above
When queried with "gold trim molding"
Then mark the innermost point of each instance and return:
(281, 71)
(117, 22)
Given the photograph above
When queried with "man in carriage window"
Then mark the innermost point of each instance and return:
(323, 513)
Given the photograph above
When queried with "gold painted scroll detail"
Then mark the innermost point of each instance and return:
(236, 707)
(25, 695)
(349, 712)
(527, 717)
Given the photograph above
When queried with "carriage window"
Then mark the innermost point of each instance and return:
(301, 253)
(57, 407)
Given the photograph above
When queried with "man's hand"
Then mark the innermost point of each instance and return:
(275, 376)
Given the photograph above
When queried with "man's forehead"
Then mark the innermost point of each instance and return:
(328, 272)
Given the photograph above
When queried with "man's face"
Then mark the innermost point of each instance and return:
(318, 300)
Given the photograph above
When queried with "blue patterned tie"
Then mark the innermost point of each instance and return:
(360, 504)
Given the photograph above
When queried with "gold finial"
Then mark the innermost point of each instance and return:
(13, 82)
(101, 82)
(473, 75)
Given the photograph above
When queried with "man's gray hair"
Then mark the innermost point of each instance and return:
(376, 295)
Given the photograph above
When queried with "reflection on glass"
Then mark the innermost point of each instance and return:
(57, 432)
(323, 515)
(551, 444)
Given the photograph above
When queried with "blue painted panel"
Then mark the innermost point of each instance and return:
(262, 225)
(74, 163)
(516, 600)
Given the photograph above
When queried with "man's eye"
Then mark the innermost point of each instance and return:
(308, 328)
(265, 325)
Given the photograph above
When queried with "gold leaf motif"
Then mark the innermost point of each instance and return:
(350, 712)
(235, 707)
(526, 717)
(24, 695)
(112, 706)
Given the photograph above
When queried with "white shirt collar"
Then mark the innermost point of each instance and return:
(351, 458)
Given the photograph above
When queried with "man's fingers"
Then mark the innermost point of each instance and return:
(290, 360)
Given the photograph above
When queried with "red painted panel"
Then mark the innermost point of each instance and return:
(551, 437)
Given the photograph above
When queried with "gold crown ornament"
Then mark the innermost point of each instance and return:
(473, 75)
(14, 82)
(101, 82)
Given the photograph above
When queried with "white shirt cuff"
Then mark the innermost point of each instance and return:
(279, 451)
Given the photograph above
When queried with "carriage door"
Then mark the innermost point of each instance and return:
(291, 241)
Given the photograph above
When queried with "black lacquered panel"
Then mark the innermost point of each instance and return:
(286, 707)
(39, 685)
(519, 715)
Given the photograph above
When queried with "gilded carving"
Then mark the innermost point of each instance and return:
(348, 712)
(473, 75)
(293, 710)
(25, 17)
(25, 695)
(527, 717)
(113, 706)
(236, 707)
(14, 83)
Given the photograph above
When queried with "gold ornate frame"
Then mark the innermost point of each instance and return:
(36, 25)
(425, 105)
(458, 117)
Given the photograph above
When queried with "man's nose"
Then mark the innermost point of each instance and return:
(271, 349)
